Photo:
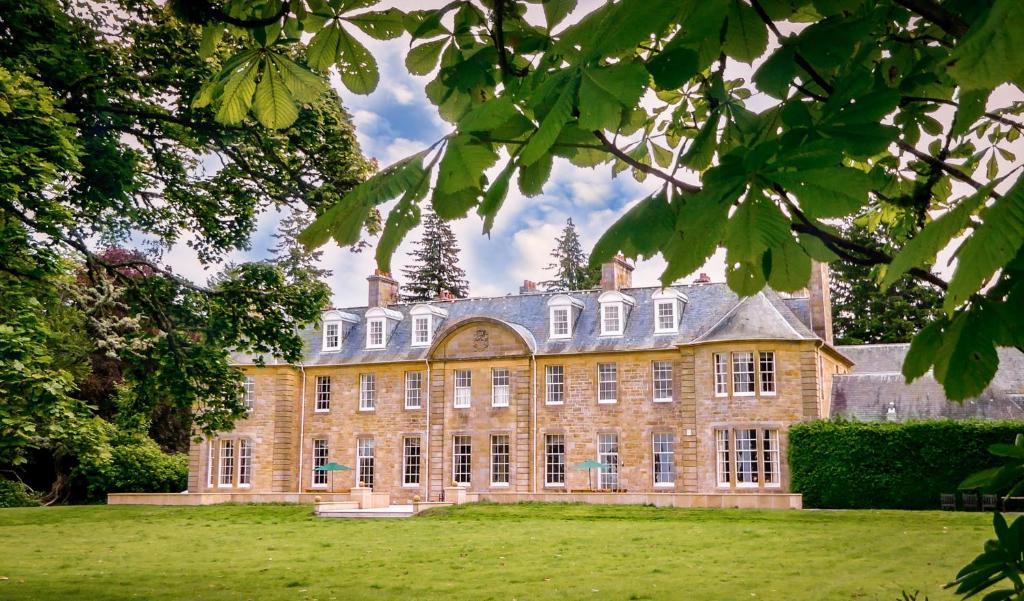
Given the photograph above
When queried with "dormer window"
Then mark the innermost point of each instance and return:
(668, 309)
(425, 319)
(562, 313)
(335, 324)
(380, 323)
(614, 312)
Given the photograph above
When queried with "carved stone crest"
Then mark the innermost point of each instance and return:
(481, 339)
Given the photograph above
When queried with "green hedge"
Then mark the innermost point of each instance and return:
(15, 494)
(858, 465)
(133, 465)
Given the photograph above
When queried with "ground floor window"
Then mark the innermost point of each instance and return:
(462, 459)
(554, 460)
(411, 461)
(244, 462)
(608, 454)
(364, 461)
(227, 463)
(664, 459)
(500, 460)
(319, 459)
(748, 457)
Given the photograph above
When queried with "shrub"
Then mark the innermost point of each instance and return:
(133, 465)
(15, 494)
(857, 465)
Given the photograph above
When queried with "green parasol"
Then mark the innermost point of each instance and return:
(588, 465)
(332, 467)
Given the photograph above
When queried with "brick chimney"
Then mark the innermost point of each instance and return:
(445, 295)
(820, 301)
(383, 289)
(616, 274)
(702, 279)
(528, 287)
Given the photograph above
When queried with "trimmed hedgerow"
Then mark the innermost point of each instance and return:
(133, 465)
(858, 465)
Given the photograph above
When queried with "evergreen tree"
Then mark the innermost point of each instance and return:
(292, 256)
(863, 314)
(437, 264)
(572, 271)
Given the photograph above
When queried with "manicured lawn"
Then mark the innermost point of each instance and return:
(520, 552)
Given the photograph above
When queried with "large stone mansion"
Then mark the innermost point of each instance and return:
(687, 389)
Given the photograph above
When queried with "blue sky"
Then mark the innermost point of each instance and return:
(398, 120)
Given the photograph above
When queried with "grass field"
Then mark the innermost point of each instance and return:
(522, 552)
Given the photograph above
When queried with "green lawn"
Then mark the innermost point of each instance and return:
(522, 552)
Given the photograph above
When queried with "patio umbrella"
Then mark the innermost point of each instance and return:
(332, 467)
(589, 465)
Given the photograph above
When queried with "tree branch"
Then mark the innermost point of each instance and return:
(797, 57)
(950, 169)
(658, 173)
(937, 14)
(993, 116)
(498, 35)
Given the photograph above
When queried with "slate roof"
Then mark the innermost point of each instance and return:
(709, 306)
(876, 381)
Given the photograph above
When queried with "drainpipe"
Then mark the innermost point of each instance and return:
(533, 439)
(302, 422)
(426, 463)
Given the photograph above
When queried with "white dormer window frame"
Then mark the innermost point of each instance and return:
(380, 323)
(425, 319)
(334, 323)
(673, 300)
(561, 316)
(332, 335)
(613, 311)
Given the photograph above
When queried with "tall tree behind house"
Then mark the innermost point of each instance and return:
(436, 270)
(570, 265)
(291, 255)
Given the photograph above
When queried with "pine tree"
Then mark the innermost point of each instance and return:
(290, 255)
(863, 314)
(572, 271)
(436, 269)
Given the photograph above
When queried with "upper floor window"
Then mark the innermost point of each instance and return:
(421, 330)
(766, 369)
(249, 392)
(332, 336)
(367, 392)
(375, 333)
(380, 322)
(668, 308)
(463, 388)
(499, 387)
(554, 383)
(721, 374)
(662, 380)
(743, 373)
(562, 312)
(747, 377)
(413, 389)
(607, 383)
(323, 394)
(614, 311)
(334, 328)
(424, 322)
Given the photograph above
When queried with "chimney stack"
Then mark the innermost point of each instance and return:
(820, 301)
(383, 289)
(702, 279)
(445, 295)
(527, 287)
(616, 274)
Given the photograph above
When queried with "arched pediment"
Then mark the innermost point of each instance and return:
(480, 338)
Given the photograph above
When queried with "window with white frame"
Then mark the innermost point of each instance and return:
(499, 387)
(413, 389)
(209, 463)
(332, 336)
(766, 369)
(244, 462)
(421, 330)
(662, 380)
(560, 322)
(611, 319)
(607, 383)
(319, 459)
(665, 316)
(554, 380)
(323, 394)
(499, 459)
(664, 459)
(608, 454)
(463, 388)
(411, 461)
(554, 460)
(746, 457)
(227, 463)
(367, 392)
(364, 461)
(723, 457)
(772, 457)
(743, 373)
(249, 392)
(462, 460)
(721, 374)
(375, 333)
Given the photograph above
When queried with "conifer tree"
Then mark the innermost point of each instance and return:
(290, 255)
(436, 269)
(571, 268)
